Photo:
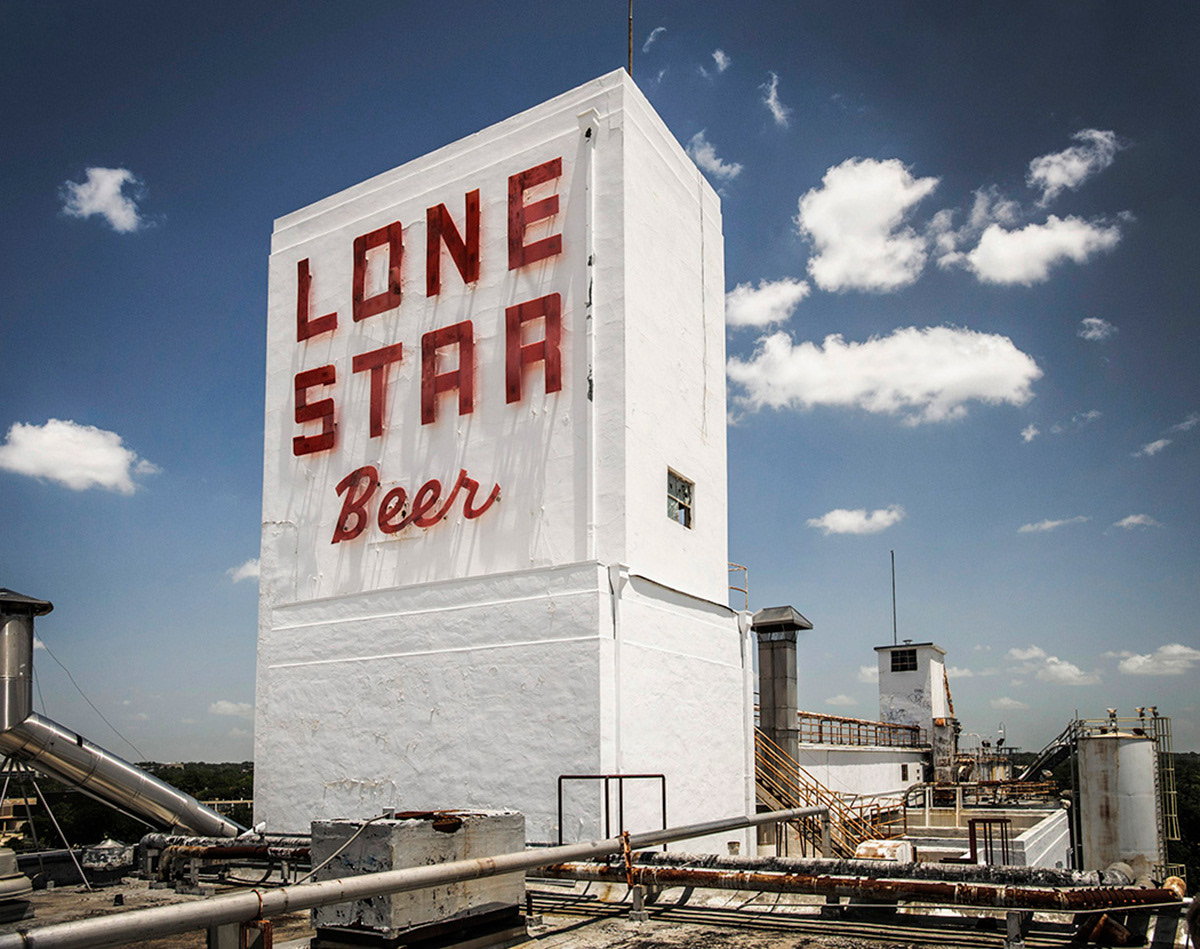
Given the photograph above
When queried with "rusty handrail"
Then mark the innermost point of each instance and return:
(791, 785)
(821, 728)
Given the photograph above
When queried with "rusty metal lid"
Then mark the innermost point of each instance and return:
(13, 602)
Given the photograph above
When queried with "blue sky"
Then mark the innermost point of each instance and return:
(961, 260)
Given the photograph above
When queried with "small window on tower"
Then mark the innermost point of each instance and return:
(904, 660)
(903, 772)
(679, 498)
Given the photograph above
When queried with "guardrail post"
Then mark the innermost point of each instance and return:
(1016, 925)
(637, 912)
(224, 936)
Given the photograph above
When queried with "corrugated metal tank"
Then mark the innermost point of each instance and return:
(1118, 811)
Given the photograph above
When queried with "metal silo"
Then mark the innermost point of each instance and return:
(1118, 800)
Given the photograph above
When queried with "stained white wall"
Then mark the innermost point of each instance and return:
(914, 697)
(469, 663)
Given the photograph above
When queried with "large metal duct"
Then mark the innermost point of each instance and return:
(67, 756)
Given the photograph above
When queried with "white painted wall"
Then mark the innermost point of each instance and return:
(862, 770)
(1045, 844)
(470, 662)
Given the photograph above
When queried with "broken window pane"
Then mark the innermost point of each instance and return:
(679, 498)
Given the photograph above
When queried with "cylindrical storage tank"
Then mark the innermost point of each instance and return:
(1117, 805)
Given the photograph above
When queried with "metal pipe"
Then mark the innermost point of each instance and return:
(924, 891)
(66, 756)
(145, 924)
(16, 664)
(891, 869)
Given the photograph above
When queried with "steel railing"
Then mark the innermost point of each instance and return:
(821, 729)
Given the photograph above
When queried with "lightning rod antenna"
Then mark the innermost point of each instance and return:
(629, 65)
(893, 597)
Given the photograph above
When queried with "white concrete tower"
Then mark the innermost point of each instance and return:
(494, 498)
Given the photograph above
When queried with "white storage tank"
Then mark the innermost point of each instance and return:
(1117, 800)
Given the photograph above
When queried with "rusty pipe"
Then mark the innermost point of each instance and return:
(272, 845)
(925, 891)
(1116, 875)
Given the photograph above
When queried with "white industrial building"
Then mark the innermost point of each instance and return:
(559, 606)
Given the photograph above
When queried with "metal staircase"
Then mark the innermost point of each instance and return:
(782, 783)
(1055, 752)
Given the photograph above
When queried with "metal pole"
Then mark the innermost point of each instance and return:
(122, 928)
(630, 64)
(893, 598)
(53, 820)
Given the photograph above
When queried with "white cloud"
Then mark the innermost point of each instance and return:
(1168, 660)
(1062, 672)
(957, 673)
(78, 456)
(234, 709)
(989, 207)
(721, 59)
(1095, 329)
(654, 34)
(868, 674)
(1137, 520)
(1187, 424)
(1070, 168)
(1049, 525)
(247, 571)
(1005, 704)
(928, 374)
(705, 156)
(854, 221)
(779, 111)
(1030, 432)
(841, 700)
(1153, 448)
(1050, 668)
(103, 193)
(1025, 256)
(769, 302)
(860, 521)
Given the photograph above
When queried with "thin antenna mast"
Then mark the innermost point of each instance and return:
(629, 66)
(893, 597)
